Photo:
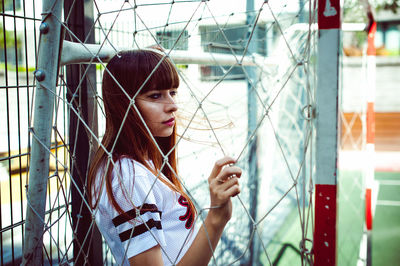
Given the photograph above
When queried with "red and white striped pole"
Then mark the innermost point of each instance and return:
(370, 147)
(327, 129)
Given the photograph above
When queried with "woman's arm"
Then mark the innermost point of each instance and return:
(151, 256)
(223, 184)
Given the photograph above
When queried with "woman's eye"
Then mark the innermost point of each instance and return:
(155, 96)
(173, 93)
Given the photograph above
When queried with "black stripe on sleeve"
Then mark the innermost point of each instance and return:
(131, 214)
(140, 229)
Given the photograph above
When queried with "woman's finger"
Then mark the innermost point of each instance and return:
(232, 191)
(229, 183)
(228, 172)
(219, 165)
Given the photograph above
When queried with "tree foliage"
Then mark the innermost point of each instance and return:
(354, 11)
(392, 5)
(7, 38)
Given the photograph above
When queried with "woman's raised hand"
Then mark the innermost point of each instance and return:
(224, 184)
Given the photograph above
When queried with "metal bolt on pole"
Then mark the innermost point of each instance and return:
(46, 75)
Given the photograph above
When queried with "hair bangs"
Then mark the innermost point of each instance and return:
(164, 75)
(131, 70)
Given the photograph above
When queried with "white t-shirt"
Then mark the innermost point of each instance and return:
(156, 214)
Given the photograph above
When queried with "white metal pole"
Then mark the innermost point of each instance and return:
(370, 147)
(251, 127)
(77, 53)
(327, 128)
(46, 76)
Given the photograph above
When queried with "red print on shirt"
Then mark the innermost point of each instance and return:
(188, 216)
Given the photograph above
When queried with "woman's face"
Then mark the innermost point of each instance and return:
(157, 108)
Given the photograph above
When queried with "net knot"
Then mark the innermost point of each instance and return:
(254, 226)
(308, 112)
(300, 62)
(303, 246)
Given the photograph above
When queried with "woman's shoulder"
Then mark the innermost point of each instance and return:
(135, 179)
(129, 164)
(130, 169)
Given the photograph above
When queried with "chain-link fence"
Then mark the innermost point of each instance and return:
(248, 78)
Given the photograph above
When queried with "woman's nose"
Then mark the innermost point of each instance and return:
(171, 106)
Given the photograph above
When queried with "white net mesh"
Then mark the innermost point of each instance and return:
(260, 113)
(351, 177)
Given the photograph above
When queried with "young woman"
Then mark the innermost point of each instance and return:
(139, 203)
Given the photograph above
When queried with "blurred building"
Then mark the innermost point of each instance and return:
(388, 32)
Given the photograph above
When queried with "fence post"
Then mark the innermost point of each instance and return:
(370, 146)
(251, 126)
(46, 77)
(327, 129)
(82, 146)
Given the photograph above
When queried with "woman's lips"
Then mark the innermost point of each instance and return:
(169, 122)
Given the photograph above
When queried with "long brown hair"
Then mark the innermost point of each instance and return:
(130, 70)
